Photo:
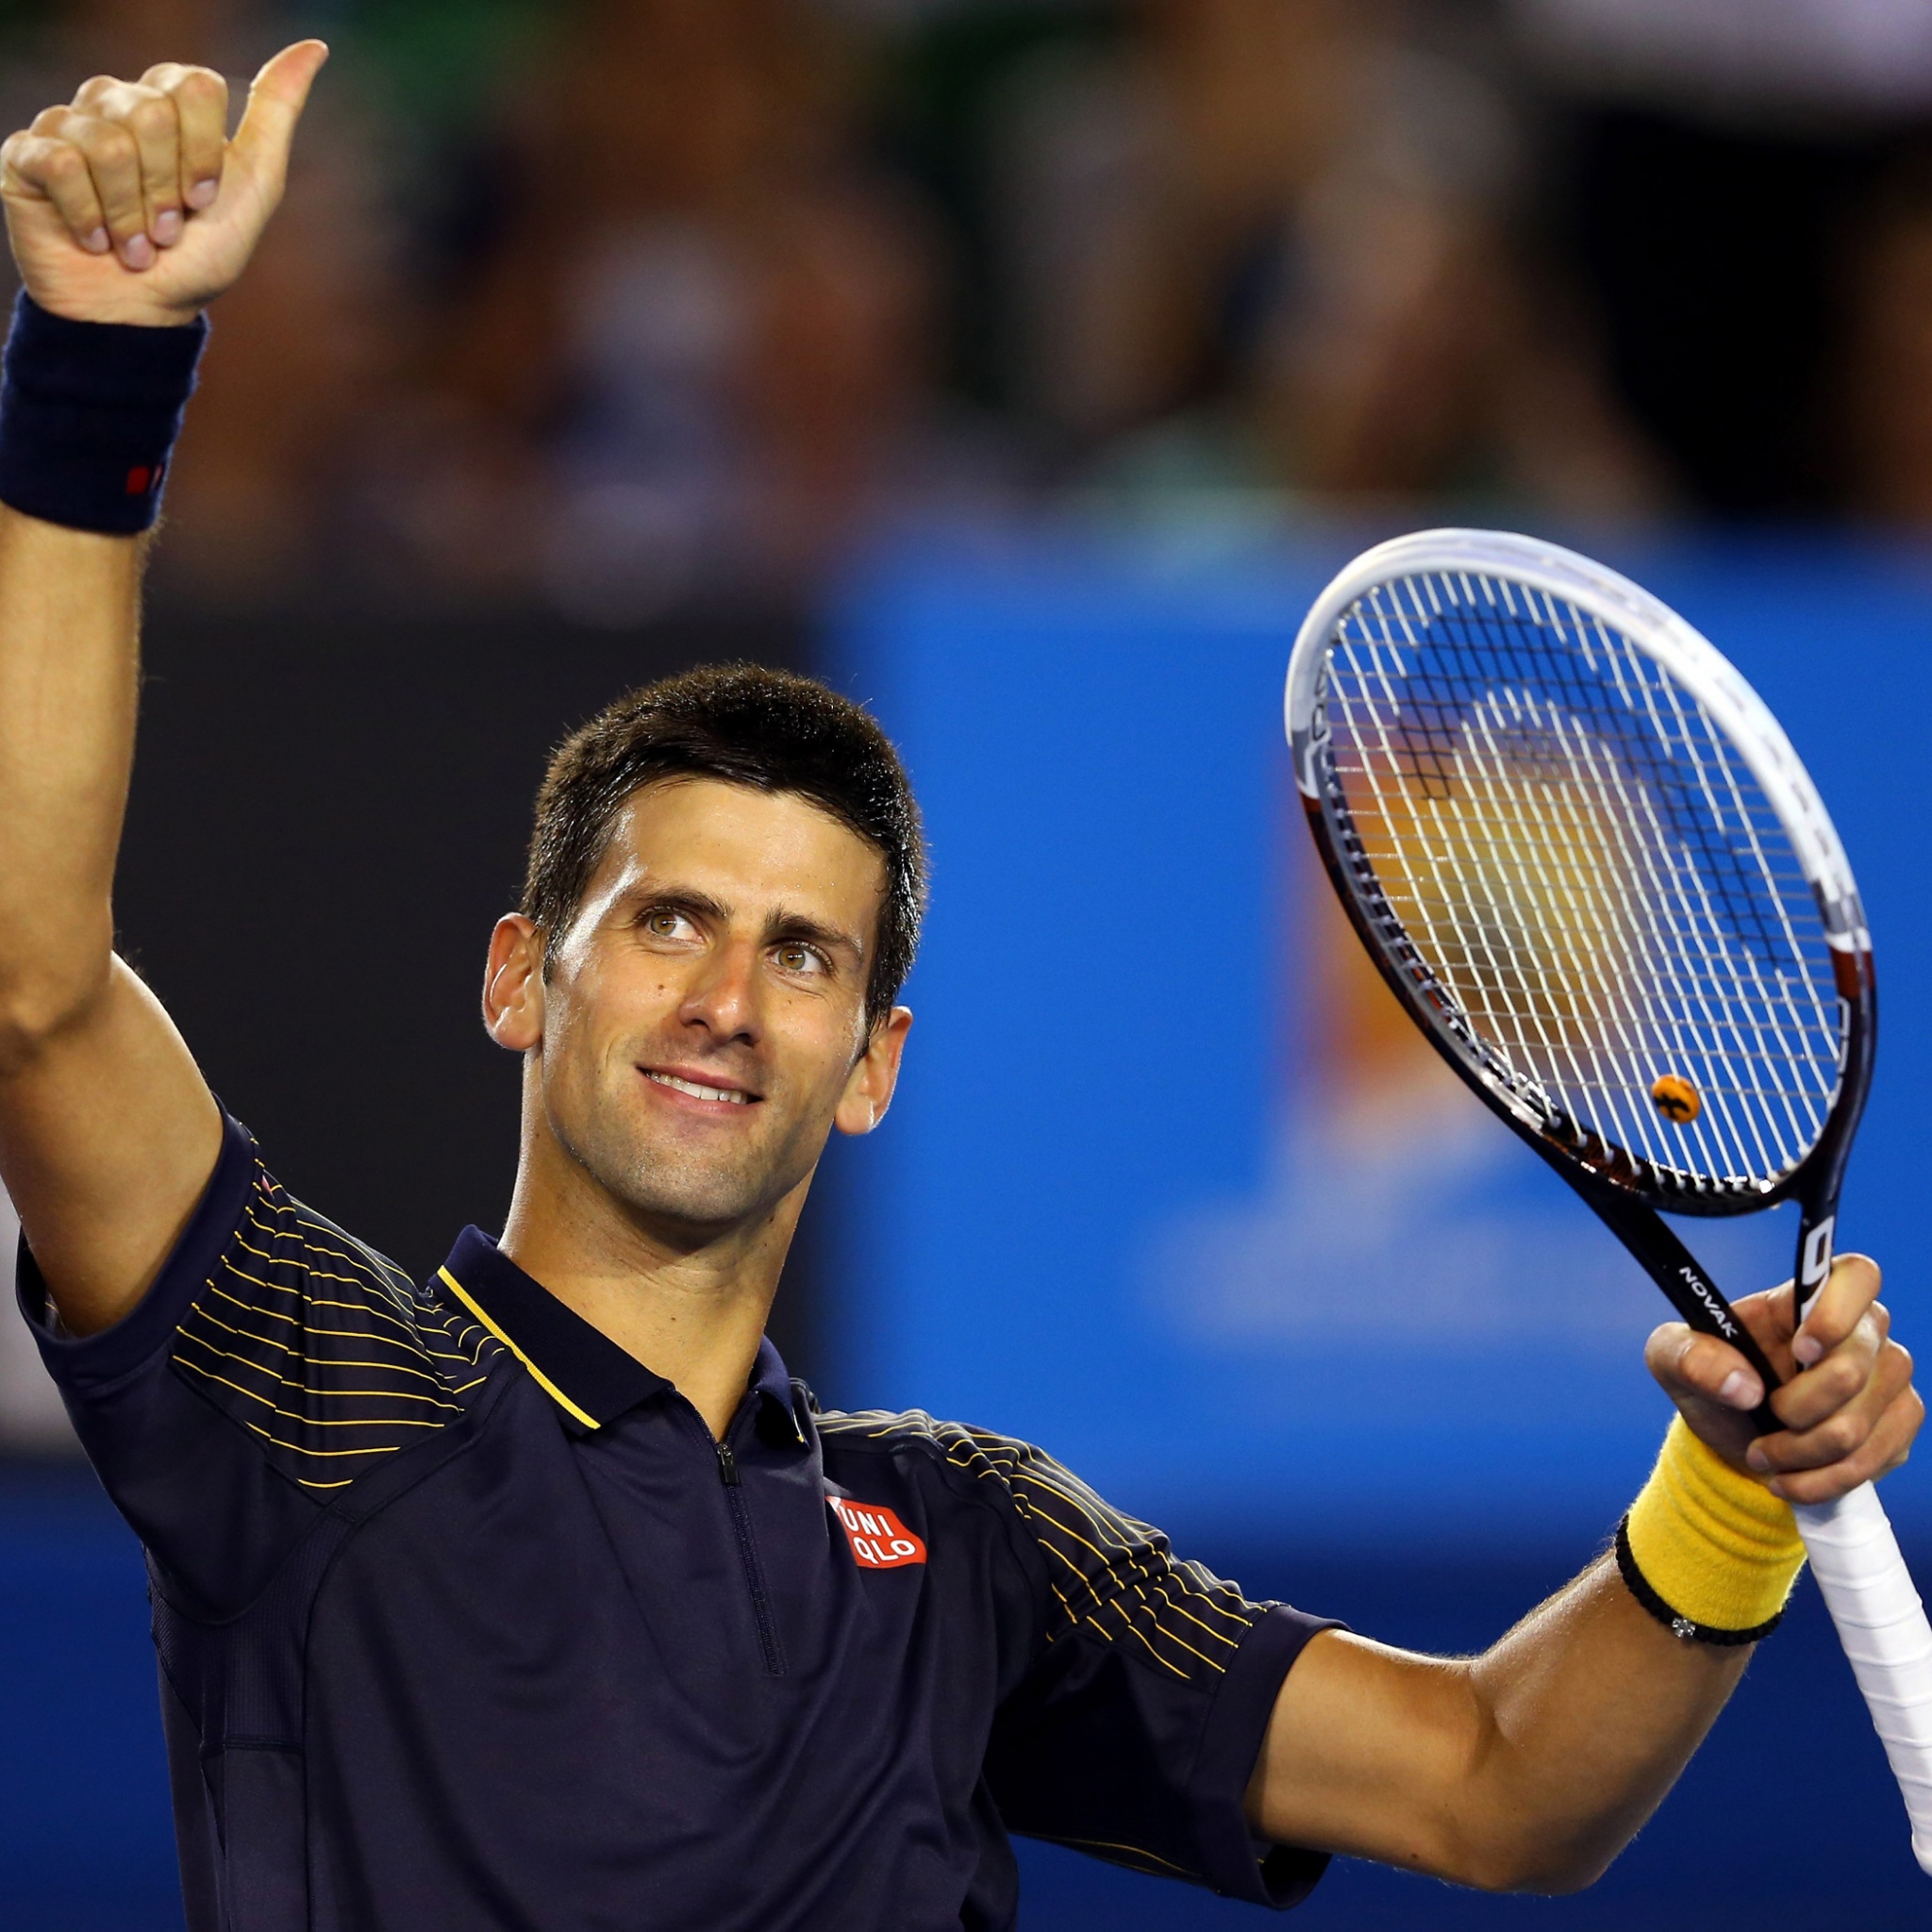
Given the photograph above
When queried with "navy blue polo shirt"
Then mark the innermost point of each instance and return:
(464, 1620)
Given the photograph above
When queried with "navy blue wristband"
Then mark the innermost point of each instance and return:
(89, 413)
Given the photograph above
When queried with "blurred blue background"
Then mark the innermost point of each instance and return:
(1023, 366)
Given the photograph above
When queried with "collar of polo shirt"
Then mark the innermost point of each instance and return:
(589, 1379)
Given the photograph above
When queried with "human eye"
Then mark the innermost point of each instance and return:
(796, 958)
(667, 922)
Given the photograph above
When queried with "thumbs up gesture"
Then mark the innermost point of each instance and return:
(129, 204)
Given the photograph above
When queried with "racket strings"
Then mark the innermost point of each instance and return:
(1585, 870)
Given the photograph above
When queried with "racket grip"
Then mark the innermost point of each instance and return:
(1882, 1624)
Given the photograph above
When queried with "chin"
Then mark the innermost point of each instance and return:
(701, 1203)
(671, 1186)
(664, 1179)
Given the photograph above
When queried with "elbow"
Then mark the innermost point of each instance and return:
(1529, 1858)
(1510, 1831)
(1535, 1872)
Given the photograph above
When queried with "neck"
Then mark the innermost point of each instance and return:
(692, 1310)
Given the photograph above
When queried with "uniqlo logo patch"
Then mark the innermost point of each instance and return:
(879, 1540)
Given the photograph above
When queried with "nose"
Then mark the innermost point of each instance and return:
(723, 998)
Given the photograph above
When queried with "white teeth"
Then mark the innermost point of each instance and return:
(698, 1092)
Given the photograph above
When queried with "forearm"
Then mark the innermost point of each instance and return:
(69, 615)
(1524, 1769)
(89, 411)
(1530, 1766)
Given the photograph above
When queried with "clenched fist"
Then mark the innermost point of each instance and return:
(130, 205)
(1848, 1407)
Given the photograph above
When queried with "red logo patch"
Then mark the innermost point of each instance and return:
(879, 1540)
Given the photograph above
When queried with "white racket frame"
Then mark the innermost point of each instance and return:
(1853, 1553)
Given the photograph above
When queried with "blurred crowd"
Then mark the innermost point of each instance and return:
(624, 304)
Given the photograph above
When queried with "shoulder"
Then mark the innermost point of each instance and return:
(890, 1432)
(980, 1455)
(320, 1345)
(911, 1439)
(280, 1246)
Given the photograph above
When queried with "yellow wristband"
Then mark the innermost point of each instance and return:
(1715, 1549)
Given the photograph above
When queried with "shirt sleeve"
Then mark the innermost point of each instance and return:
(1135, 1732)
(273, 1360)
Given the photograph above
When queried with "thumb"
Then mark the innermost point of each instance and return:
(1694, 1366)
(275, 101)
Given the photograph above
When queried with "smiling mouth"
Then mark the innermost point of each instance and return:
(697, 1091)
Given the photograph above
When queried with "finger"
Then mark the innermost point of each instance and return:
(1889, 1445)
(1689, 1363)
(94, 89)
(1849, 1289)
(274, 106)
(148, 115)
(151, 118)
(201, 109)
(1844, 1432)
(1814, 1394)
(57, 171)
(1771, 1317)
(113, 161)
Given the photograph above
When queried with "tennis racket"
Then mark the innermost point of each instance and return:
(1584, 855)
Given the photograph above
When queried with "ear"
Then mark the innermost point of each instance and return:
(868, 1087)
(514, 984)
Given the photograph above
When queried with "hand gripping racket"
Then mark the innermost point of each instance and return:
(1587, 858)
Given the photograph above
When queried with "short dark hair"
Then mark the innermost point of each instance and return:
(745, 725)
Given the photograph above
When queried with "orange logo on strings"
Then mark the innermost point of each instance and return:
(879, 1540)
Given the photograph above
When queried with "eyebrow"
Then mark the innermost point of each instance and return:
(650, 898)
(784, 925)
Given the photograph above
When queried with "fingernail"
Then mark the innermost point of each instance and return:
(1755, 1456)
(168, 227)
(1741, 1390)
(1775, 1488)
(1807, 1350)
(138, 252)
(202, 193)
(96, 243)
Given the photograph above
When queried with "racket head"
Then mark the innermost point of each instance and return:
(1589, 861)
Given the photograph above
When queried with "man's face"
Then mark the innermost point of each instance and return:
(702, 1023)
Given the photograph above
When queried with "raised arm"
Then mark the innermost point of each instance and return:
(1530, 1767)
(127, 207)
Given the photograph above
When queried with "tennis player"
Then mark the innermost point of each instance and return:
(538, 1596)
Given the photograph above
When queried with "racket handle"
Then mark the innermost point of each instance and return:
(1882, 1626)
